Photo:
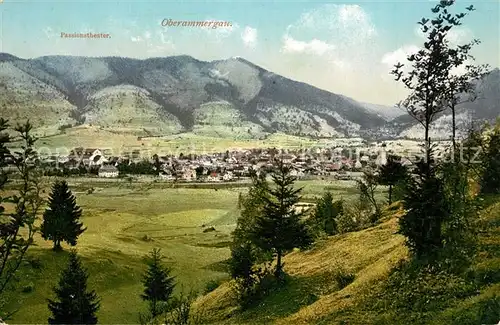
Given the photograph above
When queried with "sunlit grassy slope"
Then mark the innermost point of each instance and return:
(312, 297)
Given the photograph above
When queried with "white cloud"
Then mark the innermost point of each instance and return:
(399, 56)
(315, 46)
(347, 24)
(460, 36)
(343, 34)
(249, 37)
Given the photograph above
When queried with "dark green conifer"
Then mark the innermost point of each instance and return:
(158, 284)
(74, 303)
(61, 219)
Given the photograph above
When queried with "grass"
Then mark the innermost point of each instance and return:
(365, 259)
(118, 221)
(95, 137)
(125, 221)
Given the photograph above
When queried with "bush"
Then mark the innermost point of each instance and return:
(343, 278)
(420, 288)
(34, 262)
(28, 288)
(212, 285)
(347, 222)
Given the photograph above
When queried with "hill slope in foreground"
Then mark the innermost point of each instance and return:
(312, 296)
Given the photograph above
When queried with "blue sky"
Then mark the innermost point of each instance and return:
(346, 47)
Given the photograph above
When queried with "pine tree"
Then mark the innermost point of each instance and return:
(427, 209)
(158, 284)
(74, 304)
(61, 219)
(391, 174)
(279, 228)
(326, 212)
(251, 205)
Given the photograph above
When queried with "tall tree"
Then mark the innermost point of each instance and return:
(434, 86)
(74, 304)
(61, 218)
(391, 174)
(18, 225)
(459, 71)
(279, 228)
(429, 75)
(158, 284)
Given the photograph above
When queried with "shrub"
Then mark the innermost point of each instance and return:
(346, 222)
(146, 238)
(212, 285)
(343, 278)
(28, 288)
(421, 288)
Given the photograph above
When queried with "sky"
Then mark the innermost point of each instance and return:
(344, 47)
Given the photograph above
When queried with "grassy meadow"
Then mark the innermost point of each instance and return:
(94, 137)
(125, 221)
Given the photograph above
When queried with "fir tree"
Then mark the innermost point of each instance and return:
(252, 205)
(427, 210)
(74, 304)
(279, 228)
(391, 174)
(326, 212)
(61, 219)
(158, 284)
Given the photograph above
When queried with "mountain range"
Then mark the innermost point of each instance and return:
(231, 98)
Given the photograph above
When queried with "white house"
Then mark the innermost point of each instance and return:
(108, 171)
(228, 176)
(189, 175)
(296, 173)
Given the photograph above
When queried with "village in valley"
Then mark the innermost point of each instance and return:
(342, 160)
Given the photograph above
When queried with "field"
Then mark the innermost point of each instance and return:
(118, 142)
(125, 221)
